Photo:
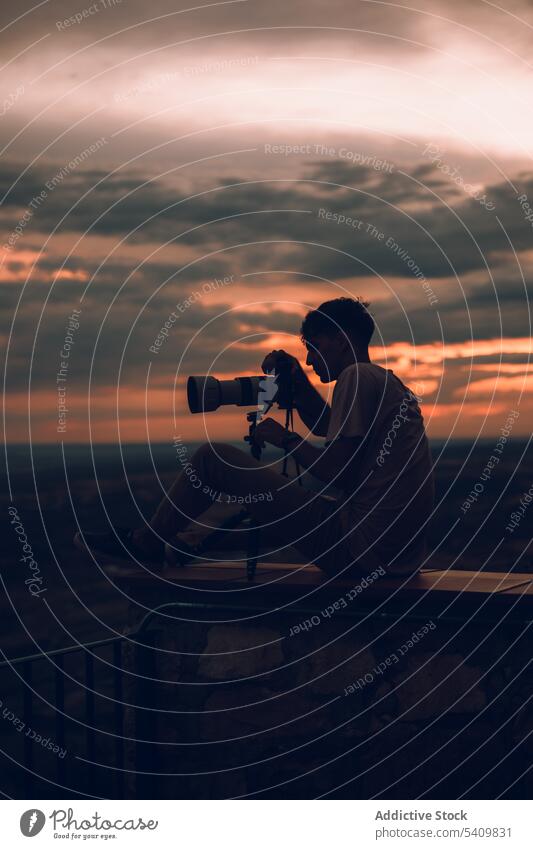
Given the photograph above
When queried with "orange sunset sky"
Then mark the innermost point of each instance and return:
(237, 164)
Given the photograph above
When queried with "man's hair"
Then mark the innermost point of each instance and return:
(348, 315)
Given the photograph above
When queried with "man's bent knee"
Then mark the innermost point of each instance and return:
(213, 459)
(204, 450)
(220, 451)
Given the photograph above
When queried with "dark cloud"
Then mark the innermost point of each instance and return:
(443, 230)
(249, 25)
(239, 234)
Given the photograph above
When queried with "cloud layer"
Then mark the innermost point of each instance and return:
(239, 165)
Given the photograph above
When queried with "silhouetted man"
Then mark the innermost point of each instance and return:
(376, 455)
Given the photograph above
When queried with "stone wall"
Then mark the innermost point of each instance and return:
(299, 704)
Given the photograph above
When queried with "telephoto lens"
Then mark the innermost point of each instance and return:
(205, 394)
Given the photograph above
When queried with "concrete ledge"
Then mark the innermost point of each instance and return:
(451, 594)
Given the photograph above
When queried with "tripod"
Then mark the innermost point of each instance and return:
(231, 522)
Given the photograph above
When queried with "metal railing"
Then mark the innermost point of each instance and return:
(80, 770)
(78, 774)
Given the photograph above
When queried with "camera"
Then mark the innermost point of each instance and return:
(206, 393)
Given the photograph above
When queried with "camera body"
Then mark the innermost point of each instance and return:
(206, 394)
(284, 397)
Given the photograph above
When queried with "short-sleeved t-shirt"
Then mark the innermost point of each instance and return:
(391, 495)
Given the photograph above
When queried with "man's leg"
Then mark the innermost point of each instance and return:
(283, 508)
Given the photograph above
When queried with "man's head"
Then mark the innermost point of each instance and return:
(337, 334)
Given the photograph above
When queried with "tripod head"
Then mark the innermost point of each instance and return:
(256, 449)
(274, 386)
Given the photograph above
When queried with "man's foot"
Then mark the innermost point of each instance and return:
(122, 543)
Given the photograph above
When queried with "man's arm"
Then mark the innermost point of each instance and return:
(312, 409)
(333, 464)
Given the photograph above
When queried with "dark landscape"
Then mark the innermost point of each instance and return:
(53, 496)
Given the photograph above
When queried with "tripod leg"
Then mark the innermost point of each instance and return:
(253, 541)
(253, 553)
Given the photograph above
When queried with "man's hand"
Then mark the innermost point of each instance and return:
(312, 409)
(336, 464)
(269, 430)
(271, 359)
(299, 378)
